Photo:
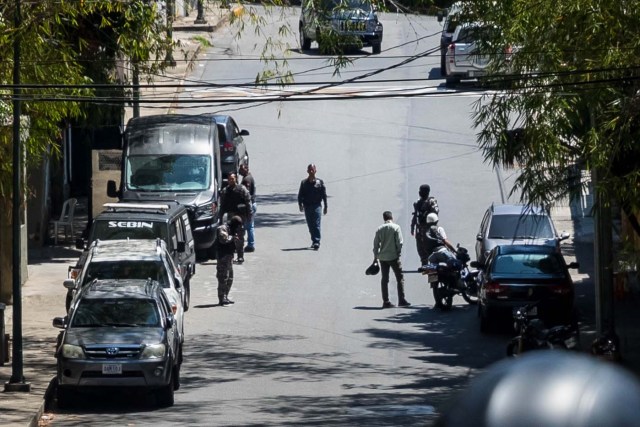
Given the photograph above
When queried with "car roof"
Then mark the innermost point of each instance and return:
(132, 249)
(162, 211)
(520, 249)
(122, 288)
(514, 209)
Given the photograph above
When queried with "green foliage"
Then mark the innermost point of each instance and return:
(574, 92)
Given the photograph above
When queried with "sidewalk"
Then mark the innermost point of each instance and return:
(43, 296)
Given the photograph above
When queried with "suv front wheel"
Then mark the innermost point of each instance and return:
(305, 42)
(377, 48)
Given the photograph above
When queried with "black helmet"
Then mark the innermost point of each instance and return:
(550, 388)
(424, 190)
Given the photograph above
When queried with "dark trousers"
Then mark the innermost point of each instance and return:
(224, 273)
(421, 243)
(313, 215)
(396, 266)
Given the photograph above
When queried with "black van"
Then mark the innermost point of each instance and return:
(166, 220)
(174, 157)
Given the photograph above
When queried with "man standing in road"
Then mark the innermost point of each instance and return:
(250, 184)
(387, 248)
(311, 195)
(227, 235)
(423, 207)
(236, 200)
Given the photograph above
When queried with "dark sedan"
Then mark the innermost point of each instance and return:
(515, 275)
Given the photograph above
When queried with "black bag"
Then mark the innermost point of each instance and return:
(373, 269)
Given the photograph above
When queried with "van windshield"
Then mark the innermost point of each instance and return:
(171, 172)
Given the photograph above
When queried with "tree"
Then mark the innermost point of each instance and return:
(572, 96)
(67, 47)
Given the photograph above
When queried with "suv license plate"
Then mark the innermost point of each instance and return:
(433, 277)
(112, 369)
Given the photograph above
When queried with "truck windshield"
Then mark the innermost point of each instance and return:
(168, 172)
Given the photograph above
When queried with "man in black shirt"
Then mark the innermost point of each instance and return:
(250, 184)
(236, 200)
(311, 195)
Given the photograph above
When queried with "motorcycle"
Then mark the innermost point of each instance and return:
(534, 335)
(451, 278)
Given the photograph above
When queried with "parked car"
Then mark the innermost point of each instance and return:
(451, 18)
(166, 220)
(350, 22)
(516, 225)
(233, 149)
(120, 333)
(517, 275)
(464, 58)
(131, 259)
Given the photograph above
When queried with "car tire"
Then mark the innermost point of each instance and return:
(452, 80)
(377, 48)
(187, 293)
(165, 395)
(443, 64)
(305, 43)
(176, 377)
(64, 397)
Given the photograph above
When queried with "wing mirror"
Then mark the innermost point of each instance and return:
(564, 236)
(69, 283)
(244, 132)
(574, 264)
(60, 322)
(479, 237)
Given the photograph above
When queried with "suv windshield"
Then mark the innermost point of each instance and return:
(169, 172)
(117, 230)
(116, 312)
(123, 269)
(520, 227)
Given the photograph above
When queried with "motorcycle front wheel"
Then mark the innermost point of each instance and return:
(443, 298)
(470, 294)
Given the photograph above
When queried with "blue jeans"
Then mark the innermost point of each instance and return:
(251, 237)
(313, 215)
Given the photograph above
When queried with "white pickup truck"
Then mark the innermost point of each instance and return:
(463, 60)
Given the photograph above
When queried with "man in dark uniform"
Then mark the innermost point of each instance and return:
(250, 184)
(423, 207)
(236, 200)
(227, 235)
(311, 195)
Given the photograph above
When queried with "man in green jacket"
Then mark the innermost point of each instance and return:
(387, 248)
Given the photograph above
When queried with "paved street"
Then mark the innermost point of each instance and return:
(306, 342)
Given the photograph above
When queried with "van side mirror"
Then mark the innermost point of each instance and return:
(69, 283)
(564, 236)
(244, 132)
(112, 190)
(80, 244)
(181, 246)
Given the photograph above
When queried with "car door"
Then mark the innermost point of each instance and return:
(238, 141)
(482, 235)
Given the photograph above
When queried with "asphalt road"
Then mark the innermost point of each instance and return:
(306, 342)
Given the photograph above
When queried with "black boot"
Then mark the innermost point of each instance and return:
(227, 300)
(222, 300)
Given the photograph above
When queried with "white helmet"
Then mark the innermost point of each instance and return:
(432, 218)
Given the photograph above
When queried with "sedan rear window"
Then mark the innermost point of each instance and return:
(521, 227)
(530, 264)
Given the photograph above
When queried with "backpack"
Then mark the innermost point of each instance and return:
(424, 208)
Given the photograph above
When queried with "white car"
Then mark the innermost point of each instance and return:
(131, 259)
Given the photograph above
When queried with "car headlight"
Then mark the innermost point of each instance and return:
(154, 351)
(70, 351)
(205, 211)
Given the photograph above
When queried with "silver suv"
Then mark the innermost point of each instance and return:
(130, 259)
(121, 333)
(515, 225)
(348, 22)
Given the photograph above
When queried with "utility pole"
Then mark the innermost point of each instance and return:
(200, 18)
(170, 15)
(17, 381)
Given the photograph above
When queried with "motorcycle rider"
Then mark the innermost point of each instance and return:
(421, 208)
(438, 247)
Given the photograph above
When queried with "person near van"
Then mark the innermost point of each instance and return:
(311, 195)
(387, 248)
(236, 200)
(250, 184)
(421, 208)
(227, 236)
